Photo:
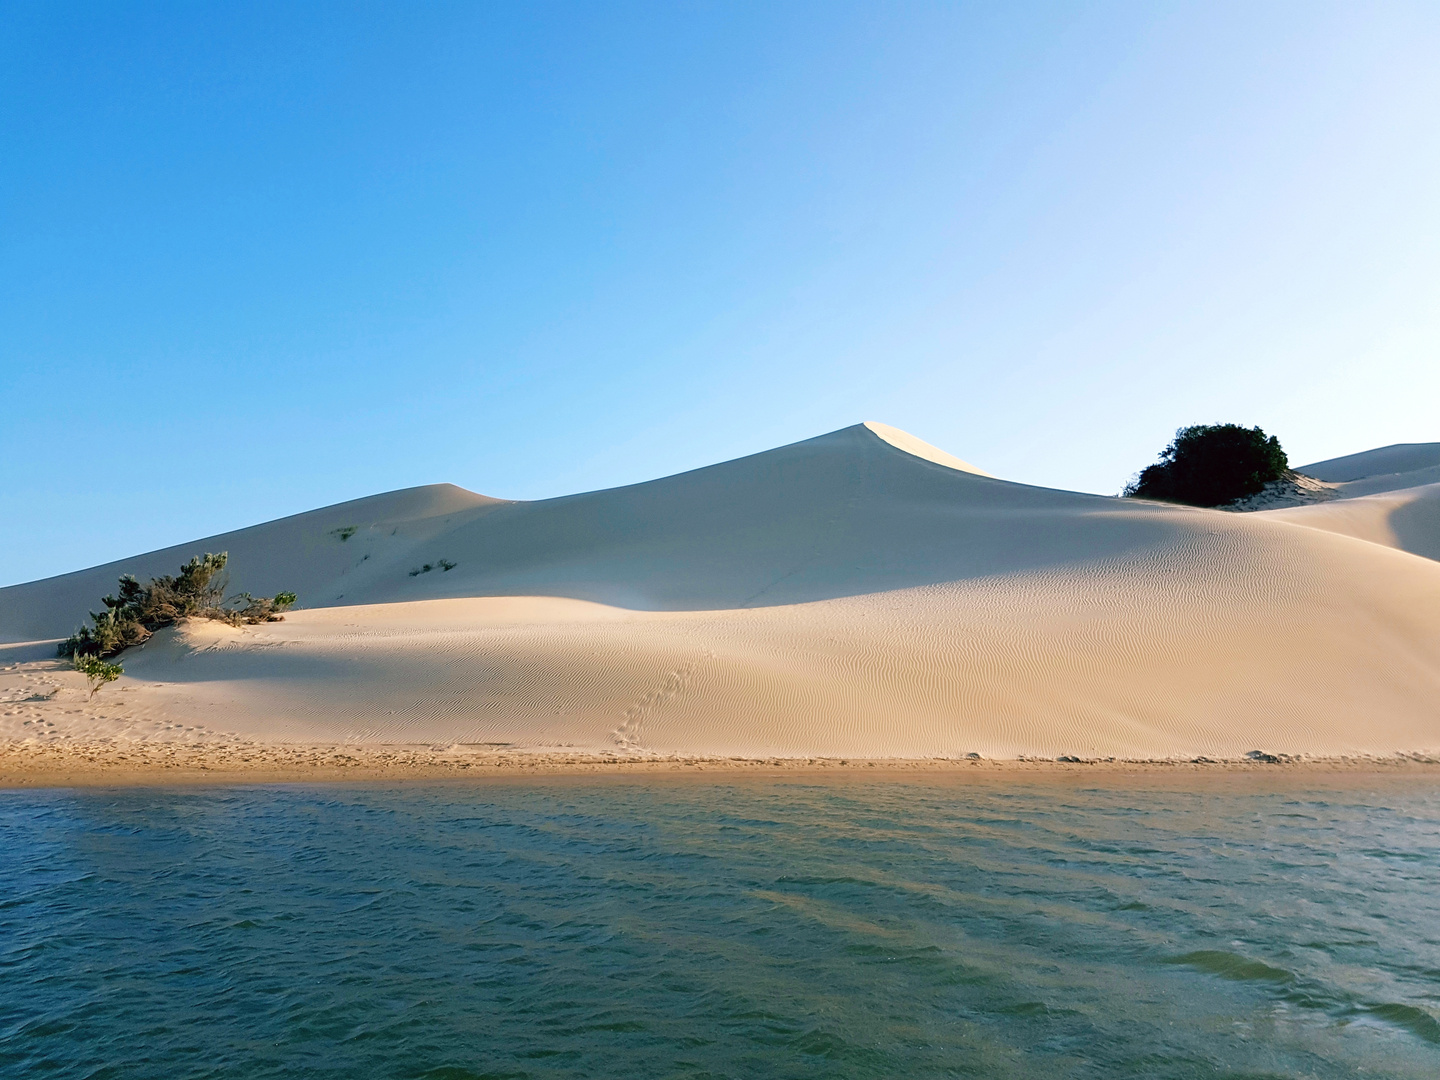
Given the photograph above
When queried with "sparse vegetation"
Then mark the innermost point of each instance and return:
(197, 592)
(97, 672)
(442, 564)
(1212, 465)
(345, 532)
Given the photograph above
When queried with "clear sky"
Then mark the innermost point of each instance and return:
(259, 258)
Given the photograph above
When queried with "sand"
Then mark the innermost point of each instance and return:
(858, 596)
(1389, 496)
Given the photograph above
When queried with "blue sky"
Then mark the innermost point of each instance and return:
(259, 258)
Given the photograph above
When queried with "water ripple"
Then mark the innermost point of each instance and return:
(728, 929)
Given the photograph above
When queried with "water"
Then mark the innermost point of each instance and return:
(783, 928)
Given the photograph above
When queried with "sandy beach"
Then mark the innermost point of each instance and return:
(142, 764)
(861, 596)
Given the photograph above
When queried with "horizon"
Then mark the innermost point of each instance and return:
(263, 260)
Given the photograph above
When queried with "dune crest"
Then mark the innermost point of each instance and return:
(919, 448)
(856, 594)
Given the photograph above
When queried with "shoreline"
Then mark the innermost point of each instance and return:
(67, 764)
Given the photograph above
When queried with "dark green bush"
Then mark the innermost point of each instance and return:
(197, 592)
(1211, 465)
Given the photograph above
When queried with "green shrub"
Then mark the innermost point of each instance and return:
(1211, 465)
(197, 592)
(96, 671)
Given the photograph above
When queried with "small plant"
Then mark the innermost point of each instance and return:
(345, 532)
(197, 592)
(257, 609)
(96, 671)
(1211, 465)
(446, 564)
(443, 564)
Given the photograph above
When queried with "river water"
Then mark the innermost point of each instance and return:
(1218, 925)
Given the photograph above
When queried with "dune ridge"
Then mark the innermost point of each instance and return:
(860, 594)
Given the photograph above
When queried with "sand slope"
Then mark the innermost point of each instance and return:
(857, 594)
(1407, 519)
(1388, 496)
(1385, 469)
(302, 553)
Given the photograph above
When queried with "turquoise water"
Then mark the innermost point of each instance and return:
(779, 928)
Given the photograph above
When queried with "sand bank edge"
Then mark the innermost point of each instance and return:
(142, 764)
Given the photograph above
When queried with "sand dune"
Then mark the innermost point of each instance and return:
(1388, 496)
(304, 552)
(1386, 469)
(1408, 518)
(858, 594)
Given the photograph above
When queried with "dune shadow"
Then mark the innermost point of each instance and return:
(1417, 524)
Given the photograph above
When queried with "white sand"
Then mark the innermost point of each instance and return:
(860, 594)
(1389, 496)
